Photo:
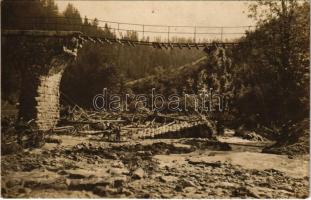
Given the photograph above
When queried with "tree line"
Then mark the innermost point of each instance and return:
(97, 66)
(267, 80)
(269, 74)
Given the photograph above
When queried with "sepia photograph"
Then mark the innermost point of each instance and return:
(155, 99)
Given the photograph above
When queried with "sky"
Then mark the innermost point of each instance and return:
(169, 13)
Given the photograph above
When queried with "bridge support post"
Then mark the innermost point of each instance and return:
(43, 63)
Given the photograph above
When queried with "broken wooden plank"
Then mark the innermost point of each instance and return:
(95, 121)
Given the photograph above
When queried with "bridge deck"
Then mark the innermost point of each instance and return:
(106, 40)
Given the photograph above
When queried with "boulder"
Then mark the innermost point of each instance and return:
(166, 179)
(87, 183)
(139, 173)
(104, 191)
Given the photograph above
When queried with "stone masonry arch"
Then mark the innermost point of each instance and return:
(41, 75)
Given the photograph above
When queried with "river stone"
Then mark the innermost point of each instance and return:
(104, 191)
(88, 183)
(13, 182)
(178, 188)
(189, 189)
(118, 171)
(118, 164)
(119, 181)
(138, 173)
(187, 183)
(166, 179)
(127, 192)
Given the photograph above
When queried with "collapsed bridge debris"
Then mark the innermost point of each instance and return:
(175, 130)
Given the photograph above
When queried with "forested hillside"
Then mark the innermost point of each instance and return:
(97, 66)
(267, 81)
(269, 73)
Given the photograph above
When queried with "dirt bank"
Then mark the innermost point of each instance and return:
(294, 142)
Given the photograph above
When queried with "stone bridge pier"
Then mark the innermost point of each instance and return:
(45, 57)
(39, 99)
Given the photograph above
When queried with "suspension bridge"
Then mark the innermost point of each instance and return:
(157, 36)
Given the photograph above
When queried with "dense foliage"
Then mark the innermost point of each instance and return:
(271, 71)
(97, 66)
(268, 80)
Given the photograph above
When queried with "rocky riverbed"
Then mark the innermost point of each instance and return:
(88, 167)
